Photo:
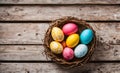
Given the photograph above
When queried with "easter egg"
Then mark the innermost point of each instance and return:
(63, 44)
(68, 54)
(80, 51)
(70, 28)
(72, 40)
(86, 36)
(57, 34)
(56, 47)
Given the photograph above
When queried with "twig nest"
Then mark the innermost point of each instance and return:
(70, 42)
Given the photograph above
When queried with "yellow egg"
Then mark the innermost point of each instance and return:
(56, 47)
(57, 34)
(72, 40)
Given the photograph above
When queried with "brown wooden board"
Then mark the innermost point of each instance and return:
(33, 33)
(60, 2)
(53, 68)
(102, 52)
(48, 13)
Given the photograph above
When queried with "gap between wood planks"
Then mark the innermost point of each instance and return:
(39, 61)
(76, 4)
(49, 21)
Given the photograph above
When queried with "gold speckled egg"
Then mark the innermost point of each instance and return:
(57, 34)
(56, 47)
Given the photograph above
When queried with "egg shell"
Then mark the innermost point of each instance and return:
(57, 34)
(68, 54)
(70, 28)
(56, 47)
(64, 44)
(72, 40)
(80, 51)
(86, 36)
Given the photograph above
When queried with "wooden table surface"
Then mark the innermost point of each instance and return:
(23, 24)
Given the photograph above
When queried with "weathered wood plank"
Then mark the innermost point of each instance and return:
(47, 13)
(102, 52)
(53, 68)
(22, 33)
(33, 33)
(60, 2)
(22, 52)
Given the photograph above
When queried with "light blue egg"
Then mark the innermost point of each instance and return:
(80, 51)
(86, 36)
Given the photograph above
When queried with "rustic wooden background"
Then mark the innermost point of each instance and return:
(23, 24)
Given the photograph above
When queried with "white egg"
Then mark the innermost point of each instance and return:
(80, 51)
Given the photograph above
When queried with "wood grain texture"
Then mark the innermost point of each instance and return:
(60, 2)
(108, 37)
(48, 13)
(33, 33)
(53, 68)
(102, 52)
(23, 42)
(22, 53)
(22, 33)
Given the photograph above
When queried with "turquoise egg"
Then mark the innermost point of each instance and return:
(86, 36)
(80, 51)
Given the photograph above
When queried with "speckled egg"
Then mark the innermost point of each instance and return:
(70, 28)
(57, 34)
(68, 54)
(86, 36)
(72, 40)
(56, 47)
(80, 51)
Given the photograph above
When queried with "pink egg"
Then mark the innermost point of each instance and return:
(70, 28)
(68, 54)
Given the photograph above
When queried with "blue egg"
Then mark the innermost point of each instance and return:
(80, 51)
(86, 36)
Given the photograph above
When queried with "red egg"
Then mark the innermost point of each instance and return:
(68, 54)
(70, 28)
